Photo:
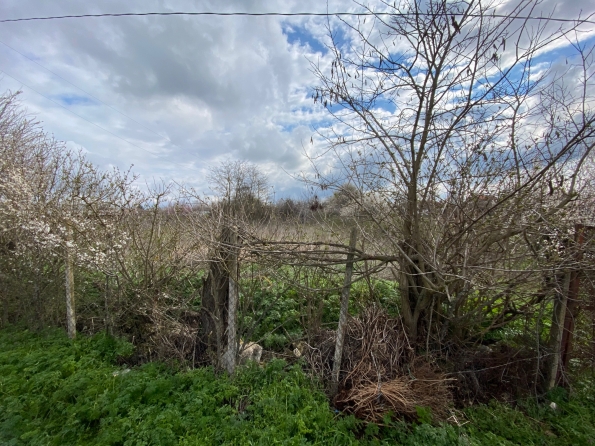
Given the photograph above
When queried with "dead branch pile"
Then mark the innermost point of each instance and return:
(500, 371)
(164, 331)
(402, 395)
(379, 372)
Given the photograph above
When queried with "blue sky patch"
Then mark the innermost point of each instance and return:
(299, 35)
(75, 99)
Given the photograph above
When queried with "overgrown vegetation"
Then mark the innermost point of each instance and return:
(446, 278)
(55, 391)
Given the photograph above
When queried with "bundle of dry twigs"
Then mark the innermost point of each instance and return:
(401, 395)
(379, 370)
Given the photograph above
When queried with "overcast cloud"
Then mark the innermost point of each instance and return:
(195, 90)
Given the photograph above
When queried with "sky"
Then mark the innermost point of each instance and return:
(174, 96)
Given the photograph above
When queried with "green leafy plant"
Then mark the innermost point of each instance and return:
(54, 391)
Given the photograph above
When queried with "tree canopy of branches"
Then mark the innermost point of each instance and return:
(465, 145)
(242, 187)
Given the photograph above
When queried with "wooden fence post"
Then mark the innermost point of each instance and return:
(343, 314)
(231, 353)
(69, 285)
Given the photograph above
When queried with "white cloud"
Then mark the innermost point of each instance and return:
(198, 89)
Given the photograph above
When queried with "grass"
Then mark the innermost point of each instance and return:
(54, 391)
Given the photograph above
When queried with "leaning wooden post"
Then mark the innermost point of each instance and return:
(231, 353)
(69, 285)
(343, 314)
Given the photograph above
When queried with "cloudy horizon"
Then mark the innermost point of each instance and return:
(176, 95)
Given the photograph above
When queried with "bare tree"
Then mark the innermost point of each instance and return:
(452, 135)
(241, 188)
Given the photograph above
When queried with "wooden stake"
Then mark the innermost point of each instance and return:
(343, 315)
(69, 285)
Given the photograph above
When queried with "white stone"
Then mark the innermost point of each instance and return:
(250, 351)
(553, 405)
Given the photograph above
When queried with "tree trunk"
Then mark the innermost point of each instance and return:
(215, 300)
(343, 315)
(214, 295)
(572, 307)
(557, 329)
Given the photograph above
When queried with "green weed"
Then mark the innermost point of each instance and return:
(54, 391)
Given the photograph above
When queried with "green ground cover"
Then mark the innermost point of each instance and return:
(57, 392)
